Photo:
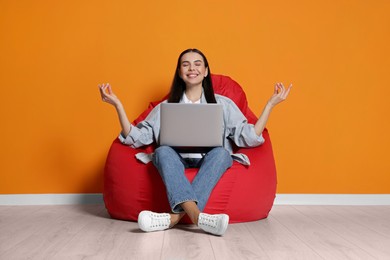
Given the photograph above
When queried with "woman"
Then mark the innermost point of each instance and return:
(192, 84)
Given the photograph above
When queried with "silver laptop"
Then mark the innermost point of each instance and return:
(191, 127)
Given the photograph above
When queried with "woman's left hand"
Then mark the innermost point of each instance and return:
(280, 94)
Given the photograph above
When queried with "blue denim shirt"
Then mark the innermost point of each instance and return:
(236, 129)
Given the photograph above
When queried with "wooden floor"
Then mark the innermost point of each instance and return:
(290, 232)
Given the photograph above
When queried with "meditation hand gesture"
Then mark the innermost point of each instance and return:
(280, 94)
(107, 95)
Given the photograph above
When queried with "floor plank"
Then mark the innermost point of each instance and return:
(350, 226)
(372, 217)
(47, 231)
(323, 241)
(112, 239)
(237, 243)
(187, 242)
(15, 213)
(278, 242)
(4, 209)
(128, 242)
(25, 222)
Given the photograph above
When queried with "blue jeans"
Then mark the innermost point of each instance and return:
(171, 167)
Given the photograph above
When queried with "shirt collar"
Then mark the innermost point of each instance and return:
(184, 99)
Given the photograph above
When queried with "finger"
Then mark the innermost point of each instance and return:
(105, 88)
(109, 88)
(288, 90)
(281, 89)
(104, 94)
(277, 88)
(101, 90)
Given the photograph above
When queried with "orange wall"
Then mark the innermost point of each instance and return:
(331, 136)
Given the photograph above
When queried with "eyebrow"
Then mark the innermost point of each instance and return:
(186, 61)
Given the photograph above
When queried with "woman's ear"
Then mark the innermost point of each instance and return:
(206, 72)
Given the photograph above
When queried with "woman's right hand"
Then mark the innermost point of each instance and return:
(108, 96)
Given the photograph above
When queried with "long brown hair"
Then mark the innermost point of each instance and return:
(178, 86)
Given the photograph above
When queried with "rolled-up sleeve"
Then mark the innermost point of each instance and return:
(239, 130)
(143, 133)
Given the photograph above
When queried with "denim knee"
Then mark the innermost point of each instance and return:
(222, 154)
(162, 152)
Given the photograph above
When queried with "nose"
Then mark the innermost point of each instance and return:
(190, 67)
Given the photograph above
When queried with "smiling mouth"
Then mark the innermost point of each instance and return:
(192, 75)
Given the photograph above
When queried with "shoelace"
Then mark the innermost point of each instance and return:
(159, 220)
(210, 221)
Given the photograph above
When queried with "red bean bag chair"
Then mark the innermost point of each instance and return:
(245, 193)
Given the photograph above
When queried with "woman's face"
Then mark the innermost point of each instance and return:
(192, 69)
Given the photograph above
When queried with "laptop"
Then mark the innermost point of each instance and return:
(194, 128)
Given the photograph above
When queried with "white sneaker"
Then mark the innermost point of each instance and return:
(214, 224)
(149, 221)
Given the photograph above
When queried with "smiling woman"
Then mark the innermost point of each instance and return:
(192, 84)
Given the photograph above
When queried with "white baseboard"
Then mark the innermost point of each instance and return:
(281, 199)
(51, 199)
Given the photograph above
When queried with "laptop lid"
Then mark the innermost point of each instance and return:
(191, 127)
